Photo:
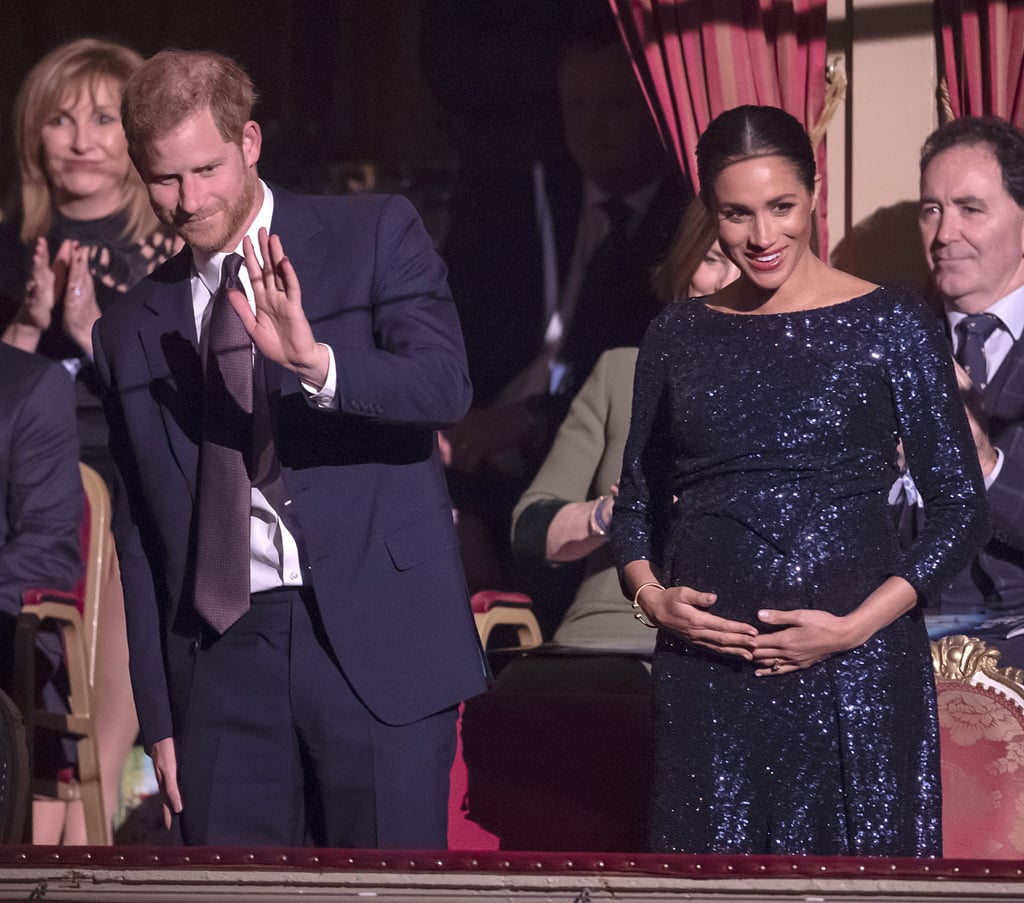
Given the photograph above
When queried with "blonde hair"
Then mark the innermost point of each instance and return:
(693, 239)
(80, 65)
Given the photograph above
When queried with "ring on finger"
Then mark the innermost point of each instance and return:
(77, 291)
(776, 664)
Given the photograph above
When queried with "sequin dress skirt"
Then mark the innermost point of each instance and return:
(760, 456)
(825, 761)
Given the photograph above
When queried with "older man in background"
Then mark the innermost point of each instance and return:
(972, 228)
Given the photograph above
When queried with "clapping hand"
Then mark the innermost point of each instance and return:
(80, 308)
(43, 283)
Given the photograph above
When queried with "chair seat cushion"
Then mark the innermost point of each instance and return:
(485, 600)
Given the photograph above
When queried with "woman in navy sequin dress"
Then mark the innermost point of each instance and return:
(795, 707)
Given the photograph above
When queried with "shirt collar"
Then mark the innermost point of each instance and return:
(207, 266)
(1009, 309)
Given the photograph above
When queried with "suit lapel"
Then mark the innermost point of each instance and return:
(176, 375)
(1003, 399)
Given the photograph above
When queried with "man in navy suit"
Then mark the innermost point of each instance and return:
(39, 479)
(972, 227)
(39, 518)
(324, 712)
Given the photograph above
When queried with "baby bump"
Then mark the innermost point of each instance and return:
(719, 555)
(831, 563)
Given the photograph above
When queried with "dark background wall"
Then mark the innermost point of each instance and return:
(407, 86)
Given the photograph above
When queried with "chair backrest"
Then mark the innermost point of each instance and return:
(981, 738)
(96, 550)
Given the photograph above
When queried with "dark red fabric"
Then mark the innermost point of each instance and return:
(190, 860)
(981, 56)
(697, 58)
(981, 737)
(487, 599)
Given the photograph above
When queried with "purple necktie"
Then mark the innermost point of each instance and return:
(222, 553)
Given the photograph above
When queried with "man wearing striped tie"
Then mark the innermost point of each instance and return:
(972, 229)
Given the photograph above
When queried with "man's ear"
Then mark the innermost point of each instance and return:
(252, 141)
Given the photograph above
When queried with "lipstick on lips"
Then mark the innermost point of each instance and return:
(764, 263)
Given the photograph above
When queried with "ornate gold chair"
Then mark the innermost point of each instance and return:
(76, 614)
(981, 737)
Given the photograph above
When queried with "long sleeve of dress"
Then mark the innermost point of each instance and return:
(643, 506)
(939, 451)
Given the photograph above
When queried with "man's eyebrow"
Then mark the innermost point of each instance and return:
(971, 200)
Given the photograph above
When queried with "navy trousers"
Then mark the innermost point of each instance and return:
(278, 750)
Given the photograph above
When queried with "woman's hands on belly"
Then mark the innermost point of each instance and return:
(684, 611)
(804, 637)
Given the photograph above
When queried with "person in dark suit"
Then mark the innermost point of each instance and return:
(560, 267)
(42, 488)
(550, 267)
(312, 698)
(39, 522)
(972, 227)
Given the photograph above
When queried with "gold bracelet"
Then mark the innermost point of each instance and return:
(638, 612)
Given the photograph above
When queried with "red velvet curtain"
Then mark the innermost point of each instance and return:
(981, 57)
(698, 58)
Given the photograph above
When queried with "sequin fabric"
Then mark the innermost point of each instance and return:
(777, 433)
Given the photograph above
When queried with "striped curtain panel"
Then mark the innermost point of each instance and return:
(698, 58)
(980, 47)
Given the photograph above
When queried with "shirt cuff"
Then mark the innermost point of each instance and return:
(326, 398)
(991, 478)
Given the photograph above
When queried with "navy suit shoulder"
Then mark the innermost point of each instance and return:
(1004, 406)
(39, 475)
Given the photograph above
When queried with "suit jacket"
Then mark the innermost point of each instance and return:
(999, 570)
(494, 253)
(584, 461)
(365, 484)
(42, 495)
(39, 477)
(993, 584)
